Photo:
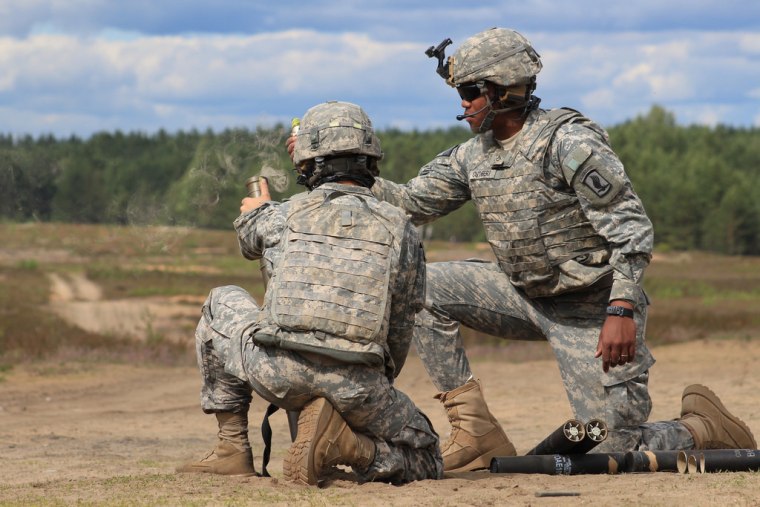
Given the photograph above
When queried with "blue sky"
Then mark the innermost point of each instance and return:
(82, 66)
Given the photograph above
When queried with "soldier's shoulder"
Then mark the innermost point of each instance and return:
(465, 151)
(295, 198)
(575, 124)
(388, 210)
(448, 152)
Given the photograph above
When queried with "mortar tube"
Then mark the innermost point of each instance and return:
(651, 461)
(558, 464)
(692, 465)
(682, 462)
(731, 460)
(596, 433)
(560, 441)
(687, 462)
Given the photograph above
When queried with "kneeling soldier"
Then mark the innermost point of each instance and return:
(346, 277)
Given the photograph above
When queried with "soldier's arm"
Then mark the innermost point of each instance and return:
(440, 188)
(607, 197)
(407, 297)
(260, 228)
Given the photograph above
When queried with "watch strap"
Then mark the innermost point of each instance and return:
(620, 311)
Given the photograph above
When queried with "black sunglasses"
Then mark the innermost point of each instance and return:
(469, 91)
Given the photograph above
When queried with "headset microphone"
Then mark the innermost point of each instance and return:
(461, 117)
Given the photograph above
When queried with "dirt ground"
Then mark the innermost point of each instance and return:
(103, 434)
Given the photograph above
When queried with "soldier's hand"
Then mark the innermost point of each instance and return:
(290, 143)
(617, 340)
(251, 203)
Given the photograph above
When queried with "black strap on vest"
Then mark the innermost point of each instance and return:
(266, 434)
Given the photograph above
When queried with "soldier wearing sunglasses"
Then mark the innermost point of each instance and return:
(571, 240)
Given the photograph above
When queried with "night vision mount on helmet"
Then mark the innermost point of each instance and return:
(335, 142)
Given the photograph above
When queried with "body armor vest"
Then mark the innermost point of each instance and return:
(532, 219)
(334, 272)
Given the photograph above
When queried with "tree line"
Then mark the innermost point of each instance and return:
(700, 185)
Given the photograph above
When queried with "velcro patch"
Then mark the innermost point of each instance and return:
(597, 183)
(480, 174)
(573, 161)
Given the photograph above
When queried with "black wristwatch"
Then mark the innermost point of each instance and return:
(620, 311)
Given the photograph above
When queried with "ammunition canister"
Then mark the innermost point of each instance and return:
(562, 440)
(558, 464)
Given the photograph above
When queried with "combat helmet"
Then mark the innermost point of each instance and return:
(336, 141)
(499, 56)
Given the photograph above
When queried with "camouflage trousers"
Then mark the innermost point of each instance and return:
(480, 296)
(232, 366)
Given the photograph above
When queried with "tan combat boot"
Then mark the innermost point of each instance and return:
(325, 440)
(232, 454)
(711, 425)
(476, 436)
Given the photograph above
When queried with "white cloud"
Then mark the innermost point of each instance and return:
(615, 75)
(238, 76)
(750, 43)
(125, 80)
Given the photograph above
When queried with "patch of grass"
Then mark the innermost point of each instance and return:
(152, 337)
(118, 283)
(28, 264)
(708, 291)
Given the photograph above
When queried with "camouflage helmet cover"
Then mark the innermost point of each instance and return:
(335, 129)
(498, 55)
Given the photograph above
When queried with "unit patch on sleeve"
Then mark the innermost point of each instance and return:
(597, 183)
(588, 174)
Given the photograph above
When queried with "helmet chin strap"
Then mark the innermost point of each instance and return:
(485, 125)
(527, 106)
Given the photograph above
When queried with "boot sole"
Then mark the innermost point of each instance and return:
(298, 465)
(737, 425)
(206, 471)
(484, 460)
(235, 467)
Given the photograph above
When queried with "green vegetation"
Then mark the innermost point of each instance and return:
(700, 185)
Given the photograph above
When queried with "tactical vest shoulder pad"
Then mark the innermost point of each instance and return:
(448, 152)
(552, 121)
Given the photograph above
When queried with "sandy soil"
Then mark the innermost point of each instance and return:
(78, 300)
(112, 434)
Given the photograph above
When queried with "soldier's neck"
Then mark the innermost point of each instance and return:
(507, 125)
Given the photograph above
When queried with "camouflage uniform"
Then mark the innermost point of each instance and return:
(241, 348)
(569, 235)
